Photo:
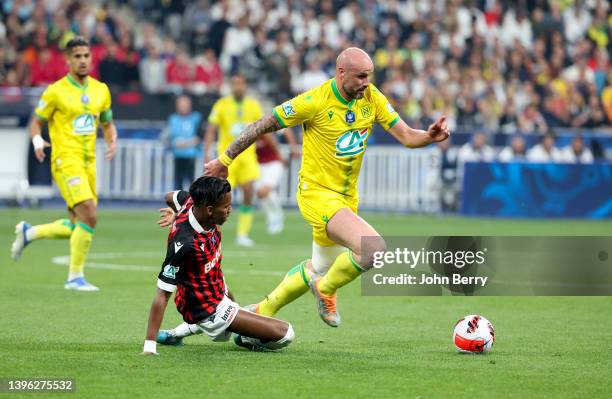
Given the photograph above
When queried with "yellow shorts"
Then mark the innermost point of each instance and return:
(243, 170)
(76, 182)
(318, 205)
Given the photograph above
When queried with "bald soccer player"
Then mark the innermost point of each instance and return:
(337, 118)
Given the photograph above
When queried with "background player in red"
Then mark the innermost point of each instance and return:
(192, 267)
(272, 164)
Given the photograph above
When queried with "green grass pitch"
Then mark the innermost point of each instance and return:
(386, 347)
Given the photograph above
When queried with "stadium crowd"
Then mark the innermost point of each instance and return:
(524, 66)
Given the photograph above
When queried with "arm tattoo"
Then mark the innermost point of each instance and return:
(266, 124)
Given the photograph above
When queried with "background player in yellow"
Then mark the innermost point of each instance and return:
(73, 106)
(231, 115)
(337, 118)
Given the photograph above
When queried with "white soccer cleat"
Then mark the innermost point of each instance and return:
(80, 284)
(276, 225)
(244, 241)
(21, 240)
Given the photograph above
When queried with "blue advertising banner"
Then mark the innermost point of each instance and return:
(537, 190)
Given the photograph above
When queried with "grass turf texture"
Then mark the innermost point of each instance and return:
(386, 346)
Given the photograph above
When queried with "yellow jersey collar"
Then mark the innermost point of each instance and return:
(76, 84)
(334, 87)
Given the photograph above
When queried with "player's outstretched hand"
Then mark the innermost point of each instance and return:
(111, 147)
(439, 131)
(166, 217)
(40, 153)
(215, 168)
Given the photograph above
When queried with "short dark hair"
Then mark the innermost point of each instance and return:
(208, 190)
(77, 41)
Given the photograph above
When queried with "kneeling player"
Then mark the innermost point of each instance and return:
(192, 267)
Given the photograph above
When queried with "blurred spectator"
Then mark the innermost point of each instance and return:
(516, 26)
(508, 122)
(153, 71)
(130, 63)
(277, 66)
(216, 35)
(545, 151)
(514, 152)
(197, 20)
(576, 152)
(312, 77)
(48, 67)
(208, 71)
(476, 150)
(239, 40)
(180, 72)
(576, 21)
(532, 121)
(112, 68)
(185, 137)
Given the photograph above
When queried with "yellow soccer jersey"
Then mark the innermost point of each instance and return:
(232, 117)
(73, 113)
(335, 133)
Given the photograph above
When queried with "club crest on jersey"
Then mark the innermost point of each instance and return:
(349, 117)
(170, 271)
(84, 124)
(287, 108)
(351, 143)
(366, 111)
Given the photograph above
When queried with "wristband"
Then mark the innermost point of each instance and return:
(225, 160)
(38, 142)
(150, 346)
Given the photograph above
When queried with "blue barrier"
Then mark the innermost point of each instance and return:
(537, 190)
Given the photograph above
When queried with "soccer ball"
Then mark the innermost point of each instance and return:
(473, 334)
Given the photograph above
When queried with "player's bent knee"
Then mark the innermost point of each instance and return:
(86, 212)
(288, 337)
(91, 220)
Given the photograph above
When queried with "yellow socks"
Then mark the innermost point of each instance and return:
(80, 241)
(294, 285)
(61, 228)
(245, 220)
(342, 271)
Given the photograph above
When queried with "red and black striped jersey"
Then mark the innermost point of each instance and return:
(193, 264)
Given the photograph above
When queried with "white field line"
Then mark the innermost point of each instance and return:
(64, 261)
